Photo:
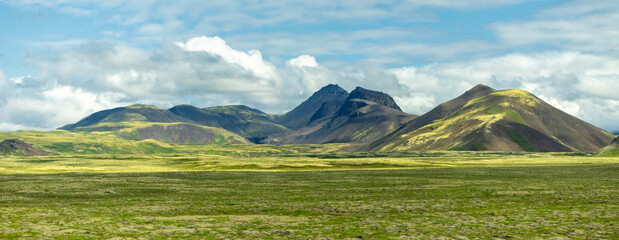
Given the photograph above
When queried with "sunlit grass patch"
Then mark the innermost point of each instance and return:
(511, 199)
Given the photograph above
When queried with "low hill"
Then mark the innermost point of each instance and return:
(364, 116)
(612, 150)
(181, 133)
(111, 119)
(18, 147)
(65, 142)
(328, 100)
(486, 119)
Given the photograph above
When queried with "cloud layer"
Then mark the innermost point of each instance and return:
(205, 71)
(273, 55)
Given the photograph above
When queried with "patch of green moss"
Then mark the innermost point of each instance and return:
(511, 114)
(520, 140)
(219, 140)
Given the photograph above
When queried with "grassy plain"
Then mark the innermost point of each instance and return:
(295, 192)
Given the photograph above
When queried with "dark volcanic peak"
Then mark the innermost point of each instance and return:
(327, 109)
(479, 90)
(18, 147)
(373, 96)
(330, 89)
(327, 98)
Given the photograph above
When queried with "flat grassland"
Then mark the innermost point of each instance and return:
(257, 196)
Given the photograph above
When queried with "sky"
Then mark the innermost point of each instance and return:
(61, 60)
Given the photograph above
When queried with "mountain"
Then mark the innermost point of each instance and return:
(115, 119)
(363, 116)
(250, 123)
(18, 147)
(328, 100)
(485, 119)
(140, 122)
(612, 150)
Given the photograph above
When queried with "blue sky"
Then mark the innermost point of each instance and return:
(67, 59)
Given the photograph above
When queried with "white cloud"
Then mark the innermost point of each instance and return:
(206, 71)
(302, 61)
(580, 84)
(250, 60)
(203, 71)
(27, 106)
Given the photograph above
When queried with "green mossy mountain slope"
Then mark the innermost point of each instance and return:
(181, 133)
(485, 119)
(65, 142)
(612, 150)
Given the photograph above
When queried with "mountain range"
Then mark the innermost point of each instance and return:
(480, 119)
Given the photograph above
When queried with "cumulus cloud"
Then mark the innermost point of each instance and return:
(203, 71)
(26, 104)
(250, 60)
(302, 61)
(206, 71)
(577, 83)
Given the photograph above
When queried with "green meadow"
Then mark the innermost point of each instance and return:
(296, 192)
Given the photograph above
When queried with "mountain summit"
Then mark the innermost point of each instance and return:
(373, 96)
(327, 99)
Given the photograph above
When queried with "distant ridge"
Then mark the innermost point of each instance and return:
(250, 123)
(140, 122)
